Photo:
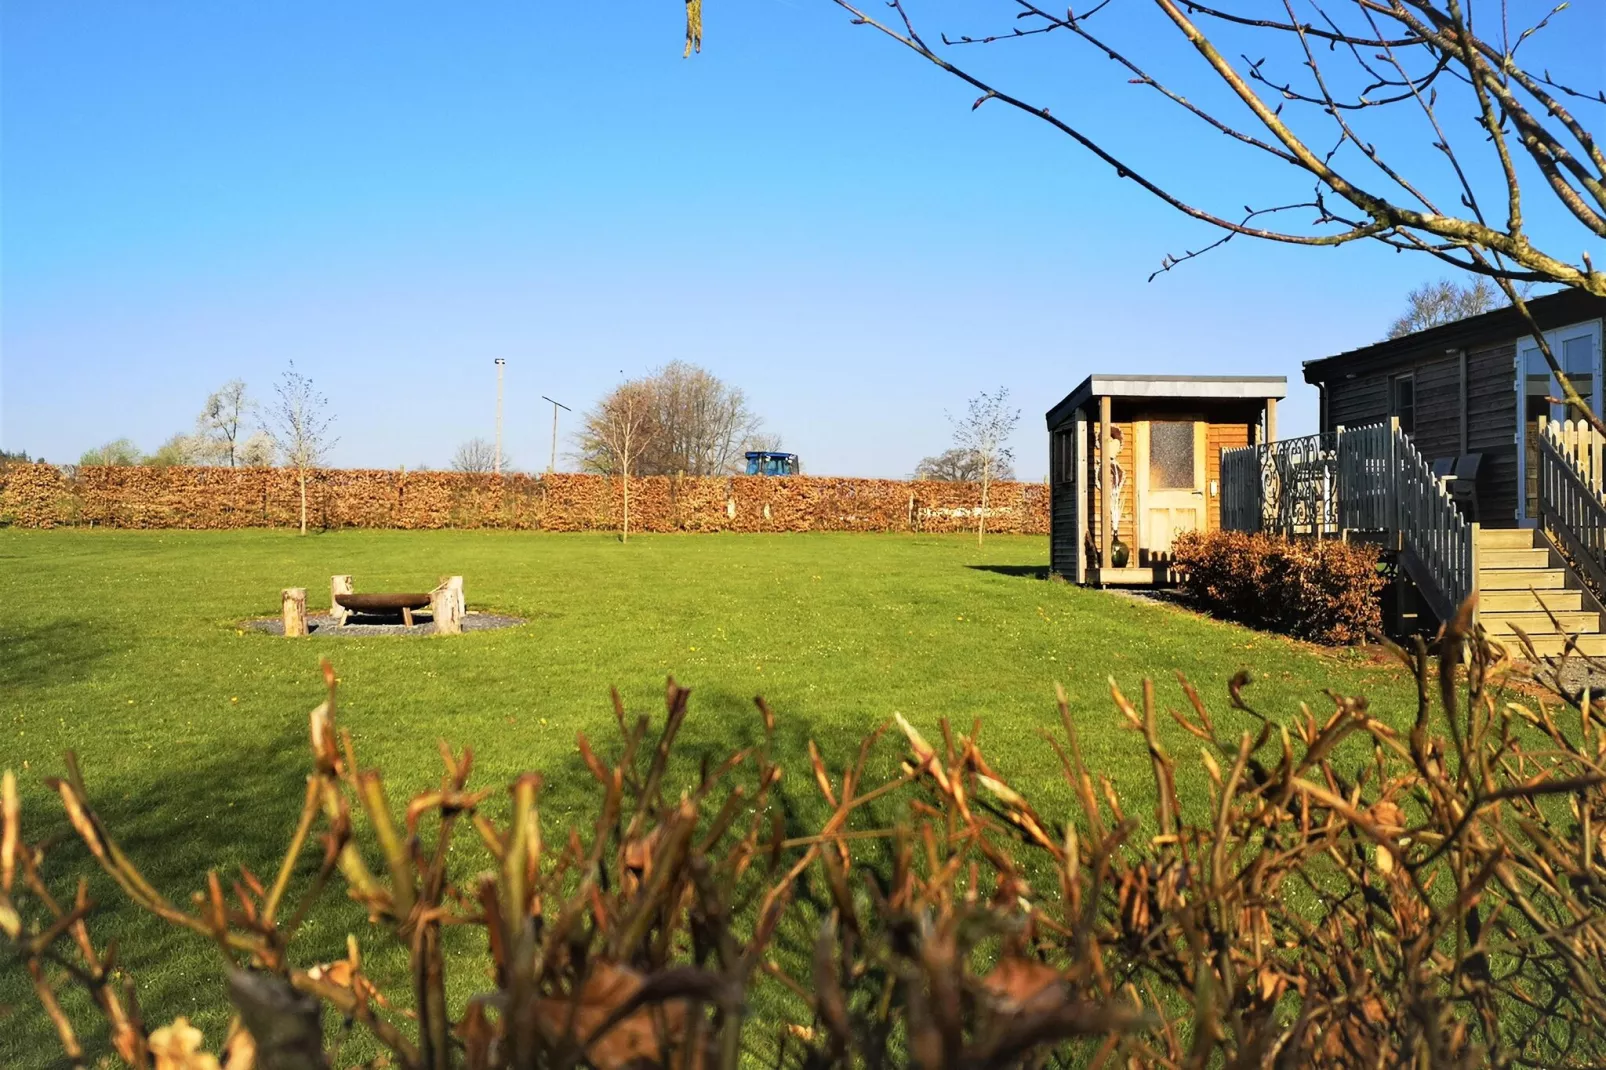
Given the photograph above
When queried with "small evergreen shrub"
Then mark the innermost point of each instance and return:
(1313, 589)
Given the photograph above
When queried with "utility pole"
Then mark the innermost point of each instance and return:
(552, 465)
(500, 364)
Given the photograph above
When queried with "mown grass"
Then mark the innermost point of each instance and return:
(124, 646)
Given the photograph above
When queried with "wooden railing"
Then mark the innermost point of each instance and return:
(1241, 505)
(1367, 480)
(1438, 545)
(1572, 510)
(1365, 463)
(1581, 444)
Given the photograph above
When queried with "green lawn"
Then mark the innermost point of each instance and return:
(124, 646)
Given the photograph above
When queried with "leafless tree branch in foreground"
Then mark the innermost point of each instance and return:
(1324, 87)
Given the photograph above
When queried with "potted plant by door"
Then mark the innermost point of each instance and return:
(1119, 553)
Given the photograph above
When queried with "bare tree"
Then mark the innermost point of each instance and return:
(983, 432)
(299, 424)
(696, 424)
(614, 435)
(1326, 94)
(1444, 301)
(219, 427)
(761, 442)
(960, 466)
(478, 455)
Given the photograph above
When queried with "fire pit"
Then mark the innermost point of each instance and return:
(384, 604)
(445, 603)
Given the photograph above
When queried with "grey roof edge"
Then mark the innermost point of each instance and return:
(1495, 327)
(1203, 387)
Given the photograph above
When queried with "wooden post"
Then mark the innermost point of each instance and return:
(1079, 476)
(446, 606)
(1472, 583)
(1271, 420)
(1393, 468)
(339, 585)
(294, 609)
(1106, 474)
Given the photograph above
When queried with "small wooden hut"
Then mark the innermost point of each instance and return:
(1155, 441)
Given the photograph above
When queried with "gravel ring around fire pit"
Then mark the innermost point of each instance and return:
(359, 626)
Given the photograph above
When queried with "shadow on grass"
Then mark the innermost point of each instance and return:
(180, 816)
(175, 820)
(1028, 572)
(54, 652)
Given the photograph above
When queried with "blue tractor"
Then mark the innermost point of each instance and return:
(767, 463)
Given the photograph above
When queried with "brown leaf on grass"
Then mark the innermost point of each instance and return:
(627, 1021)
(178, 1047)
(240, 1053)
(1021, 984)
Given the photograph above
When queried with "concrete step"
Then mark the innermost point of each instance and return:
(1507, 538)
(1572, 622)
(1535, 557)
(1517, 601)
(1551, 644)
(1520, 579)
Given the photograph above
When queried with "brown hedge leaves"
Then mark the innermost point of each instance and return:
(43, 496)
(1322, 590)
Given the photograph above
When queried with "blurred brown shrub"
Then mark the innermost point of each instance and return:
(1331, 891)
(1323, 590)
(181, 496)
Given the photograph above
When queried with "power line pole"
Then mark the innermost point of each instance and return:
(552, 465)
(500, 364)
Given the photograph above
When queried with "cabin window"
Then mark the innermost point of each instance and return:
(1171, 455)
(1402, 403)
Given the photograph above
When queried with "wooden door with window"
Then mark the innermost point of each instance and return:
(1170, 463)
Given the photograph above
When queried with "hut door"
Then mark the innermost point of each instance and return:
(1170, 459)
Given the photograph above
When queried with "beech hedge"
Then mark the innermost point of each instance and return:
(1321, 590)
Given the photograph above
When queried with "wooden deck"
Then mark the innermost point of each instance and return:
(1153, 576)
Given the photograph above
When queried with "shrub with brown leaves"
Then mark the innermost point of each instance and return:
(1341, 891)
(1322, 590)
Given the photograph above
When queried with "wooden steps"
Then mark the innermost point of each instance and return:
(1518, 601)
(1523, 584)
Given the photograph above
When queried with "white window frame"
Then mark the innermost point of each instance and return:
(1526, 348)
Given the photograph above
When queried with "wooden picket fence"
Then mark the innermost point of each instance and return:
(1572, 507)
(1580, 444)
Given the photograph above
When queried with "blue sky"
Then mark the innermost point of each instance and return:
(392, 195)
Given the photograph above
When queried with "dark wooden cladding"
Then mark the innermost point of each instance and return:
(1491, 418)
(1438, 407)
(1454, 415)
(1491, 415)
(1357, 402)
(1492, 428)
(1065, 543)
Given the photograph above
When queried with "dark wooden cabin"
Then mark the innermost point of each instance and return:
(1466, 387)
(1168, 432)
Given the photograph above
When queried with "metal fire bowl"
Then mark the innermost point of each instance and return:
(382, 603)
